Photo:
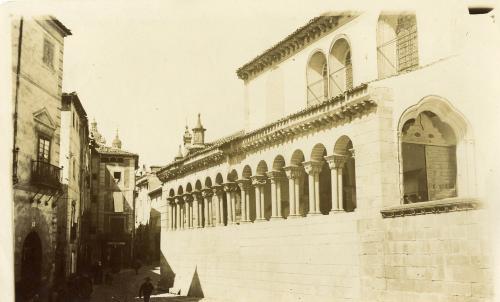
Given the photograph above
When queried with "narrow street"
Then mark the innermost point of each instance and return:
(126, 284)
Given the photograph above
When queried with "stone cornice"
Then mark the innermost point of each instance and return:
(431, 207)
(340, 109)
(293, 43)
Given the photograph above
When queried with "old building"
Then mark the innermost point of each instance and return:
(361, 173)
(37, 69)
(112, 205)
(75, 160)
(147, 215)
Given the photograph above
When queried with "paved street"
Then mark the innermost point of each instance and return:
(125, 288)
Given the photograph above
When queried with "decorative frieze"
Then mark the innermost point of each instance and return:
(258, 180)
(299, 39)
(431, 207)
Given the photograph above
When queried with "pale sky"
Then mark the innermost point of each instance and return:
(147, 67)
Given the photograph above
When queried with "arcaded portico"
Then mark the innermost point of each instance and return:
(358, 175)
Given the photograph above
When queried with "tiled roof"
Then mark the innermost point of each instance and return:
(114, 151)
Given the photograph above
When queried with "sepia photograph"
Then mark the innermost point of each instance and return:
(226, 151)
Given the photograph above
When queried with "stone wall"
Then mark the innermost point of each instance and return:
(343, 257)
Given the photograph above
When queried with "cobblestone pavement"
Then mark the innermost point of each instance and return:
(125, 288)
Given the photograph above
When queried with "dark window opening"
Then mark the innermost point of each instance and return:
(44, 149)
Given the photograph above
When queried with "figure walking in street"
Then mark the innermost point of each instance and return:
(146, 289)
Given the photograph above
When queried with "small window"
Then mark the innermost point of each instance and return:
(48, 53)
(117, 176)
(43, 149)
(117, 225)
(94, 176)
(429, 159)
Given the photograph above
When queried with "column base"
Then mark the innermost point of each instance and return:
(260, 220)
(276, 218)
(336, 211)
(314, 214)
(294, 216)
(245, 221)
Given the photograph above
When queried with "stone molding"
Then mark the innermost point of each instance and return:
(336, 161)
(218, 189)
(230, 187)
(244, 184)
(293, 172)
(312, 167)
(302, 37)
(179, 199)
(431, 207)
(336, 110)
(258, 180)
(197, 194)
(275, 176)
(207, 192)
(187, 197)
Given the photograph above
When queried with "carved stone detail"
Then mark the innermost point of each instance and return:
(258, 180)
(244, 184)
(293, 172)
(207, 192)
(230, 187)
(336, 161)
(312, 167)
(275, 176)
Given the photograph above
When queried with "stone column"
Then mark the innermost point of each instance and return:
(275, 177)
(188, 200)
(197, 209)
(218, 191)
(313, 168)
(231, 188)
(244, 185)
(294, 174)
(258, 181)
(207, 195)
(336, 163)
(178, 202)
(169, 211)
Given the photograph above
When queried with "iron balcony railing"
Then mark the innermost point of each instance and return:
(45, 174)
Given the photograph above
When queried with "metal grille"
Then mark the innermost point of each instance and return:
(407, 47)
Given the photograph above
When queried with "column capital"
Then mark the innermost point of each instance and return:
(230, 187)
(258, 180)
(312, 167)
(275, 176)
(217, 189)
(179, 199)
(171, 200)
(197, 194)
(188, 197)
(293, 172)
(336, 161)
(207, 192)
(244, 184)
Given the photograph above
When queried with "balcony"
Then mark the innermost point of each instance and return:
(45, 174)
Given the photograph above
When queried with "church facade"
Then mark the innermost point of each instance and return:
(361, 173)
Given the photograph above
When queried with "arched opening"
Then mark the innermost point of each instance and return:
(347, 172)
(317, 79)
(219, 180)
(318, 154)
(201, 204)
(340, 67)
(397, 44)
(303, 183)
(233, 177)
(189, 188)
(246, 174)
(283, 194)
(266, 209)
(31, 264)
(429, 159)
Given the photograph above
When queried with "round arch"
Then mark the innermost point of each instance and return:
(297, 158)
(317, 77)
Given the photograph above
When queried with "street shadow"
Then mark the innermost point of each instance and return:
(167, 275)
(195, 289)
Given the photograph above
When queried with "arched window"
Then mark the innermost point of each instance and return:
(397, 44)
(341, 77)
(317, 79)
(429, 161)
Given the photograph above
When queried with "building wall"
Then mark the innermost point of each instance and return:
(282, 90)
(103, 187)
(38, 93)
(361, 256)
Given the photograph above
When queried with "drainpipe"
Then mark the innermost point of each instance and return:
(18, 72)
